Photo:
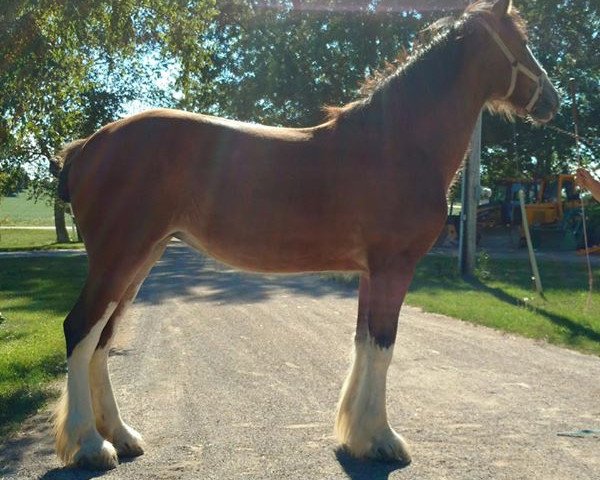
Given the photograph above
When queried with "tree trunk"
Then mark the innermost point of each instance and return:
(79, 238)
(62, 236)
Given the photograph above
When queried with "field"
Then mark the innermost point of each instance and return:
(22, 211)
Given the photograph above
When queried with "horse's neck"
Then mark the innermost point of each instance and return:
(439, 127)
(451, 126)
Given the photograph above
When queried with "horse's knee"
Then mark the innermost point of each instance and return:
(74, 327)
(108, 332)
(79, 323)
(387, 289)
(99, 299)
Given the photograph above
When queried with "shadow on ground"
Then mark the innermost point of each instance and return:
(66, 473)
(71, 474)
(36, 433)
(183, 272)
(366, 469)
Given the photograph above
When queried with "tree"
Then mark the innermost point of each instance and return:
(13, 181)
(68, 66)
(280, 65)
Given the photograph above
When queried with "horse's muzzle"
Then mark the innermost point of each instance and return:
(547, 105)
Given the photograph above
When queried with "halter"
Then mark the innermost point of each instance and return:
(517, 67)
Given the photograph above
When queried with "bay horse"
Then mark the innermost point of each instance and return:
(365, 191)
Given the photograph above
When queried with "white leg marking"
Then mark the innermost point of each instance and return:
(361, 422)
(109, 423)
(77, 440)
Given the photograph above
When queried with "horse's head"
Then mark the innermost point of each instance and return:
(519, 84)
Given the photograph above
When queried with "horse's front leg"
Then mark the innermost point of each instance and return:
(361, 424)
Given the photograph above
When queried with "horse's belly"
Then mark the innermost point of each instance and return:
(279, 255)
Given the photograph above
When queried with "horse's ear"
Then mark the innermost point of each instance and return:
(502, 8)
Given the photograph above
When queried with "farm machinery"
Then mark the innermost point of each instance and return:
(552, 206)
(553, 209)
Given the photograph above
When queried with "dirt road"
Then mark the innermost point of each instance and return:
(233, 376)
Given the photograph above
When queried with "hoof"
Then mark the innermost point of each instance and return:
(383, 446)
(389, 447)
(128, 442)
(101, 456)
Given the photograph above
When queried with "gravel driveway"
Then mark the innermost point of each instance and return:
(236, 376)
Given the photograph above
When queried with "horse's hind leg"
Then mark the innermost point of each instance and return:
(361, 423)
(109, 422)
(77, 440)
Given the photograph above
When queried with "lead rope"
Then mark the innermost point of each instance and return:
(584, 222)
(590, 142)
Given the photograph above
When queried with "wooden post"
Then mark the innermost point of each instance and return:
(532, 259)
(471, 191)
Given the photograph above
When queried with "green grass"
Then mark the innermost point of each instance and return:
(502, 296)
(21, 211)
(35, 294)
(26, 239)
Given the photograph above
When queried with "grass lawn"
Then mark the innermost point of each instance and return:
(26, 239)
(502, 296)
(20, 211)
(36, 293)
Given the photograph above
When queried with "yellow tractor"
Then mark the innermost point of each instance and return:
(555, 215)
(552, 206)
(557, 195)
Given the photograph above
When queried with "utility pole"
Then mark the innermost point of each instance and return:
(471, 192)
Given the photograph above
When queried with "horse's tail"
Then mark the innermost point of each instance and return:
(63, 161)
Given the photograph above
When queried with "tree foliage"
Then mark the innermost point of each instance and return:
(565, 38)
(68, 66)
(281, 65)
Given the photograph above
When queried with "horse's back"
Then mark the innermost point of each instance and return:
(159, 147)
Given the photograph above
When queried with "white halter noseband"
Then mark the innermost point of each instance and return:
(519, 67)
